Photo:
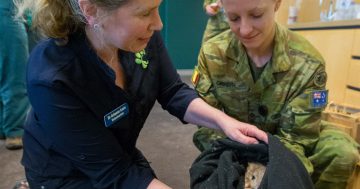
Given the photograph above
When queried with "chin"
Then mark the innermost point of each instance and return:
(250, 46)
(138, 47)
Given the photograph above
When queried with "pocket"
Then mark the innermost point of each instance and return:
(235, 103)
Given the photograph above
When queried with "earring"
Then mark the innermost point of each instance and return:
(96, 27)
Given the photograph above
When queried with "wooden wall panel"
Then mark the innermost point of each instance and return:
(335, 46)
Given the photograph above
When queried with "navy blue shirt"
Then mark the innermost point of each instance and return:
(71, 90)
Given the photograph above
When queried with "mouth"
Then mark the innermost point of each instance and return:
(145, 39)
(249, 38)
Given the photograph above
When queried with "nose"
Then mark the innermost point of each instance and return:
(157, 24)
(245, 28)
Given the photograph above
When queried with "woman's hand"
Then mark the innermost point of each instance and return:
(156, 184)
(241, 132)
(200, 113)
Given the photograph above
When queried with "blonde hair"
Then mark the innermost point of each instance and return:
(60, 18)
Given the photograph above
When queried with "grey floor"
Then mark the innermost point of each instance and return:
(165, 142)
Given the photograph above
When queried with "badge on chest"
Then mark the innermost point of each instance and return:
(116, 114)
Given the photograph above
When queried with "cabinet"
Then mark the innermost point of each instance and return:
(352, 91)
(335, 45)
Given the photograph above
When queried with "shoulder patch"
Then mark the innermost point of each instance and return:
(195, 77)
(320, 78)
(319, 99)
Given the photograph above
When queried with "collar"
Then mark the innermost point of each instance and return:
(281, 55)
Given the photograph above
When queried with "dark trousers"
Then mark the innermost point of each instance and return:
(37, 182)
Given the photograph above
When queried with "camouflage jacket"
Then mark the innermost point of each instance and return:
(216, 24)
(286, 100)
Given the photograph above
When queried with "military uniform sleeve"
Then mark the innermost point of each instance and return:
(207, 2)
(300, 120)
(202, 82)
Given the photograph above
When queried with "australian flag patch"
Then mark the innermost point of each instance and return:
(319, 98)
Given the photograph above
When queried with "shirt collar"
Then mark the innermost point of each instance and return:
(280, 58)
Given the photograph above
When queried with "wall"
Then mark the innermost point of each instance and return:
(184, 22)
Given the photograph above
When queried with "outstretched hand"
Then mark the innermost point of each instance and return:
(212, 9)
(242, 132)
(200, 113)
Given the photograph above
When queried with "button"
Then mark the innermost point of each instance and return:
(82, 156)
(263, 110)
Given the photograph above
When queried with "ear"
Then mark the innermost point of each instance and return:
(277, 5)
(89, 11)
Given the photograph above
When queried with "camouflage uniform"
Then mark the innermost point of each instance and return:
(216, 24)
(286, 100)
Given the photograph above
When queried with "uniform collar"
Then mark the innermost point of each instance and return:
(280, 58)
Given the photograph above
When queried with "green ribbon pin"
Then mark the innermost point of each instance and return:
(139, 59)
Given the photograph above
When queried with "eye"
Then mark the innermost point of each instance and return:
(257, 15)
(253, 177)
(145, 14)
(233, 18)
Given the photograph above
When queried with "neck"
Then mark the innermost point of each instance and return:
(261, 55)
(106, 52)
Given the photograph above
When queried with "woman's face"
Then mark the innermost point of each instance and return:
(252, 20)
(131, 26)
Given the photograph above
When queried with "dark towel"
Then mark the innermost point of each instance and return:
(224, 165)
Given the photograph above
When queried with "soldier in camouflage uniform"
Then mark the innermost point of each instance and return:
(217, 22)
(280, 90)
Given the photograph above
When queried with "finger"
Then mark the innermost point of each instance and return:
(245, 139)
(257, 133)
(210, 12)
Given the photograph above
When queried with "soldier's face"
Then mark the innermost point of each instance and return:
(253, 21)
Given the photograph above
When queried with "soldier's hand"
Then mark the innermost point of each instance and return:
(243, 132)
(212, 9)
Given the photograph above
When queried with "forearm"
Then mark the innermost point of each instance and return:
(200, 113)
(156, 184)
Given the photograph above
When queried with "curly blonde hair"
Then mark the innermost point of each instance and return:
(60, 18)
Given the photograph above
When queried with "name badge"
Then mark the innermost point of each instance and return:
(115, 115)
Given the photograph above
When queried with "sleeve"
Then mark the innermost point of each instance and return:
(174, 95)
(207, 2)
(77, 135)
(202, 82)
(301, 119)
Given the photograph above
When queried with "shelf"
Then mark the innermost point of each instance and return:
(342, 24)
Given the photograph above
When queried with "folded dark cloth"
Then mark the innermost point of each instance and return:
(224, 165)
